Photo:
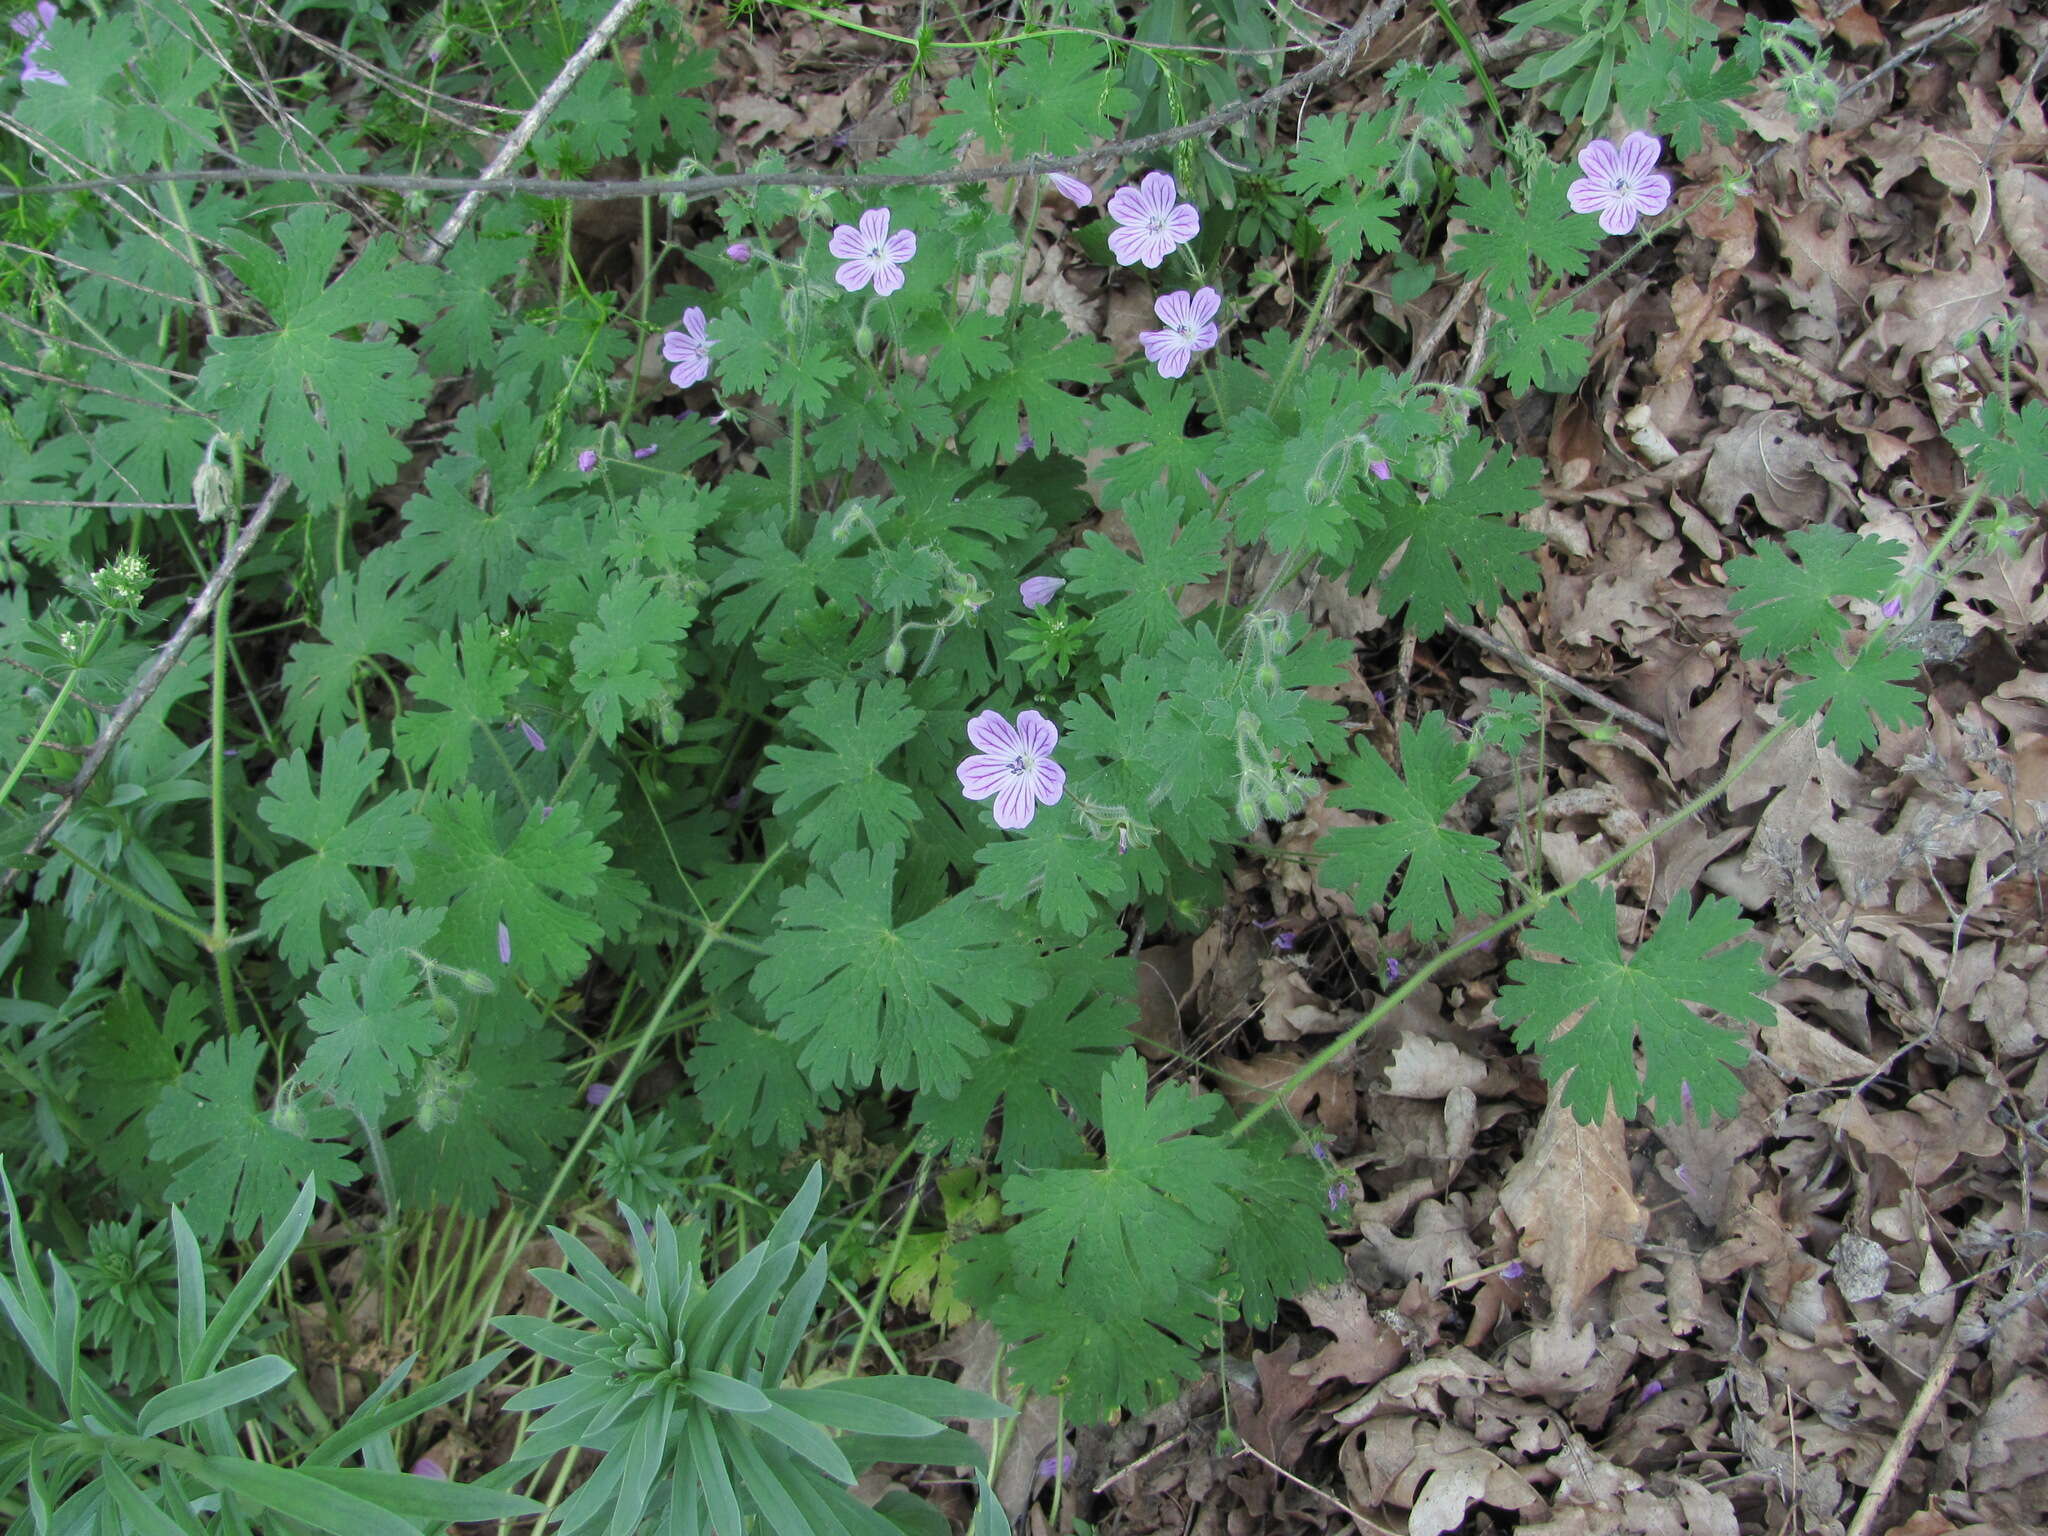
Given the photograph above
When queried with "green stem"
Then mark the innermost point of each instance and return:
(1331, 276)
(49, 720)
(1528, 909)
(120, 887)
(524, 1229)
(1478, 64)
(871, 1312)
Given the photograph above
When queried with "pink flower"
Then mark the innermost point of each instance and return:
(1014, 765)
(689, 349)
(1189, 329)
(1381, 469)
(1621, 185)
(1074, 190)
(34, 26)
(871, 254)
(1037, 591)
(1151, 224)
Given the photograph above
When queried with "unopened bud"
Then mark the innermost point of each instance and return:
(1268, 676)
(863, 338)
(211, 488)
(895, 656)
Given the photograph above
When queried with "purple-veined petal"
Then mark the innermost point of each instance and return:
(1638, 154)
(853, 275)
(1039, 735)
(874, 227)
(1168, 351)
(1037, 591)
(888, 278)
(1049, 782)
(902, 246)
(982, 776)
(993, 734)
(1014, 805)
(1072, 188)
(1183, 224)
(1203, 304)
(1619, 217)
(1653, 196)
(1587, 196)
(1598, 160)
(846, 242)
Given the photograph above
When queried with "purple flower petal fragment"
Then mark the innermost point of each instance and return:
(587, 460)
(1621, 184)
(427, 1467)
(1014, 766)
(1037, 591)
(1381, 469)
(689, 349)
(534, 739)
(870, 254)
(739, 250)
(504, 945)
(1188, 319)
(1152, 223)
(1072, 188)
(34, 27)
(648, 452)
(596, 1094)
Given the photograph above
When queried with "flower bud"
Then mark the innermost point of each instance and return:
(211, 490)
(739, 250)
(895, 656)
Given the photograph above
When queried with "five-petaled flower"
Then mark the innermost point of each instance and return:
(34, 26)
(1151, 223)
(1037, 591)
(1072, 188)
(1014, 765)
(1189, 321)
(870, 254)
(1621, 184)
(689, 349)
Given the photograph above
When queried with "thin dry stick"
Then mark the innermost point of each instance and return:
(1909, 1432)
(1329, 1498)
(153, 675)
(1355, 37)
(1571, 685)
(159, 668)
(436, 244)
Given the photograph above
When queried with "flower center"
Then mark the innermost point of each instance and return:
(1021, 763)
(1156, 223)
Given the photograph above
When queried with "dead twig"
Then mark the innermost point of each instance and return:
(1327, 1497)
(1556, 679)
(1959, 1332)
